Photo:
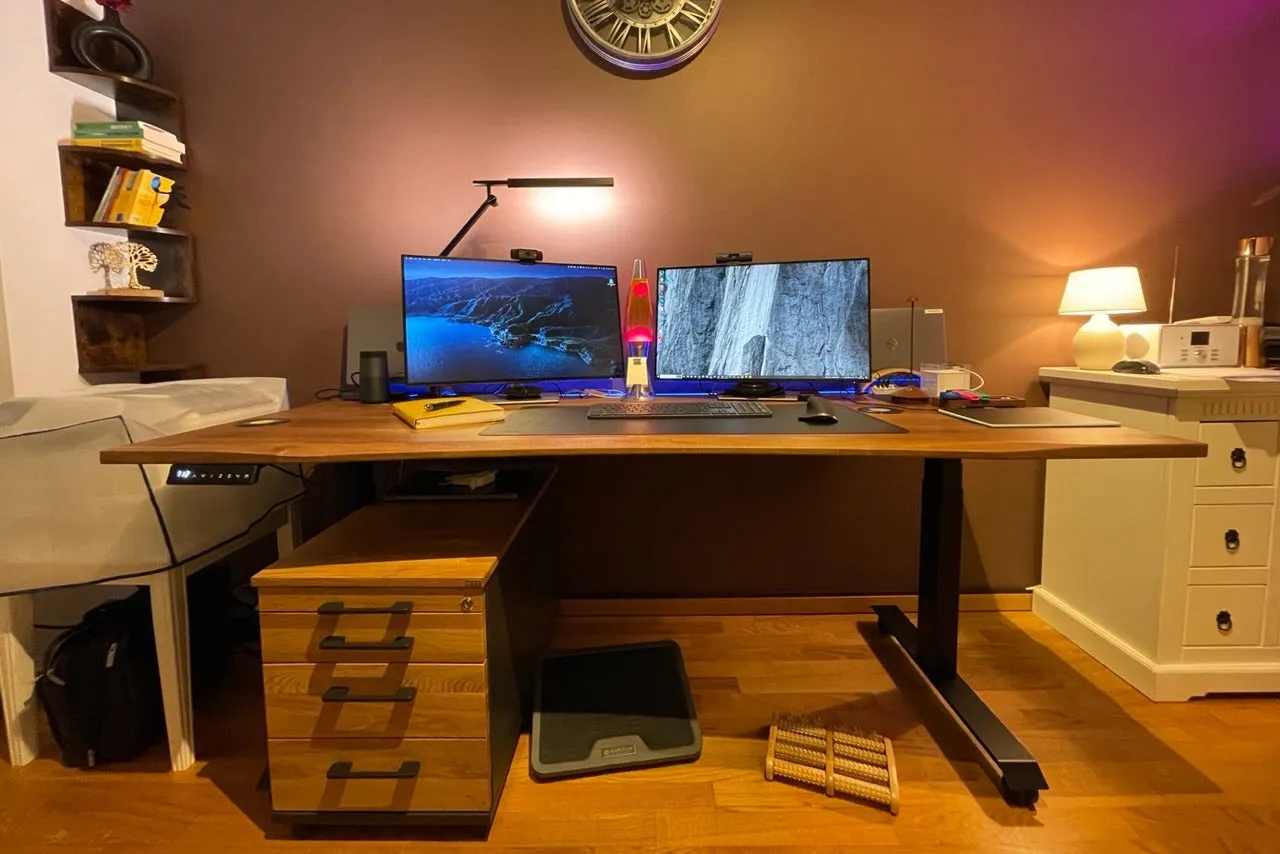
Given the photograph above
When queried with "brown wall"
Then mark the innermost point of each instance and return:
(977, 151)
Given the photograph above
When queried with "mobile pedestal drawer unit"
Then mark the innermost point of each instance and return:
(398, 650)
(1166, 570)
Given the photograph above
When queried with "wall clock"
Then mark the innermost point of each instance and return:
(645, 35)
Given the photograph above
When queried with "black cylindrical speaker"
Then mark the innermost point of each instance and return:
(373, 377)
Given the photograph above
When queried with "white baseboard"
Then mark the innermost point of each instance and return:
(1160, 682)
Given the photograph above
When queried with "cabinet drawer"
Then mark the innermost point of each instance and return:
(375, 700)
(1231, 535)
(311, 600)
(1224, 616)
(1240, 454)
(440, 638)
(418, 775)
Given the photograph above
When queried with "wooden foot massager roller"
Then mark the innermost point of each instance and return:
(839, 759)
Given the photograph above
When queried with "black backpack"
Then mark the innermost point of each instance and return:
(100, 687)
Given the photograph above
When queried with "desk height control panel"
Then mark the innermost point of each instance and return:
(206, 474)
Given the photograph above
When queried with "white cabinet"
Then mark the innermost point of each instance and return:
(1165, 570)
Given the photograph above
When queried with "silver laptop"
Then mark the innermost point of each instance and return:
(891, 338)
(374, 329)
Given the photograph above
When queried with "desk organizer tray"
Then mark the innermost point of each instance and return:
(564, 420)
(610, 709)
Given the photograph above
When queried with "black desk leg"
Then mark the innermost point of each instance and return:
(932, 646)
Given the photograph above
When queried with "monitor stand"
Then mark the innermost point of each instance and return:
(753, 390)
(514, 394)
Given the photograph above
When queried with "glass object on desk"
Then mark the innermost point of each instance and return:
(639, 334)
(1248, 304)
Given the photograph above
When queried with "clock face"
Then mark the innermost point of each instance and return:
(645, 35)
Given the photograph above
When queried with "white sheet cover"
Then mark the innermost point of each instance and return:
(65, 518)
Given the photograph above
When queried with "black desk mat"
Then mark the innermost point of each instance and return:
(560, 420)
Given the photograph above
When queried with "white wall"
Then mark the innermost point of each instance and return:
(42, 262)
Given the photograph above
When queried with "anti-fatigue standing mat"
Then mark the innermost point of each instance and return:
(561, 420)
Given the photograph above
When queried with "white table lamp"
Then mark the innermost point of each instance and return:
(1101, 292)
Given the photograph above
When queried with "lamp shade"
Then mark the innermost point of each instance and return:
(1106, 290)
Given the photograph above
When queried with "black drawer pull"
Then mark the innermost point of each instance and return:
(342, 694)
(1232, 539)
(1224, 621)
(339, 608)
(340, 642)
(346, 771)
(1238, 459)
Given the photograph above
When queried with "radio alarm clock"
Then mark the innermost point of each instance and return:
(1183, 345)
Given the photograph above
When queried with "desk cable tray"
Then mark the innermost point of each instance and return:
(839, 759)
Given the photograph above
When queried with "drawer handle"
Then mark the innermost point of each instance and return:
(1224, 621)
(1232, 539)
(346, 771)
(329, 608)
(342, 694)
(340, 642)
(1238, 459)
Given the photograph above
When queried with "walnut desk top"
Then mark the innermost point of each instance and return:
(344, 431)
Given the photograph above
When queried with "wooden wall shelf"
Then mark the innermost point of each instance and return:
(154, 231)
(112, 333)
(136, 302)
(135, 99)
(115, 157)
(175, 368)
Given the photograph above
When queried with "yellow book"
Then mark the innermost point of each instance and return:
(447, 412)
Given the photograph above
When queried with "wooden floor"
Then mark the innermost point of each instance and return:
(1126, 774)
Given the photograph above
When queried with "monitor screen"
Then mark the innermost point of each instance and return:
(799, 320)
(469, 321)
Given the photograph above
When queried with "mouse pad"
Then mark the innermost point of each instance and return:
(573, 421)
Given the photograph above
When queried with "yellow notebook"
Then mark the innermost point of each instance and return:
(447, 412)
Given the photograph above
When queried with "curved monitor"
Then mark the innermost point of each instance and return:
(485, 321)
(797, 320)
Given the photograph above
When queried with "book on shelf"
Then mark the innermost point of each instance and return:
(138, 146)
(128, 130)
(134, 197)
(447, 412)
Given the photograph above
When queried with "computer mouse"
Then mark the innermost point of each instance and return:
(819, 411)
(1135, 366)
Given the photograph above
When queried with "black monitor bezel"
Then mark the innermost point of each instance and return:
(618, 373)
(657, 311)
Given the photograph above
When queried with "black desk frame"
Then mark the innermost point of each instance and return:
(932, 645)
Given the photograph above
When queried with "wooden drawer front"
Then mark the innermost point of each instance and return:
(1224, 616)
(310, 600)
(451, 775)
(1216, 529)
(1240, 454)
(442, 700)
(438, 638)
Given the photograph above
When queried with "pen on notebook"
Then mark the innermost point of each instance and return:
(444, 404)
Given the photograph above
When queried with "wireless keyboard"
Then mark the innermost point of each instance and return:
(686, 409)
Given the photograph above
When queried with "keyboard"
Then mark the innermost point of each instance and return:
(685, 409)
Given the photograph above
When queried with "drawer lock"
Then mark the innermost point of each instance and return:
(1238, 459)
(466, 605)
(1232, 539)
(1224, 621)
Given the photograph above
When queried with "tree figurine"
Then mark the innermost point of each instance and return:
(135, 257)
(102, 256)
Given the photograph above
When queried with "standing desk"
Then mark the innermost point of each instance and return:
(344, 432)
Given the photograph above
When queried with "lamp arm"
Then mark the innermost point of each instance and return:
(490, 201)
